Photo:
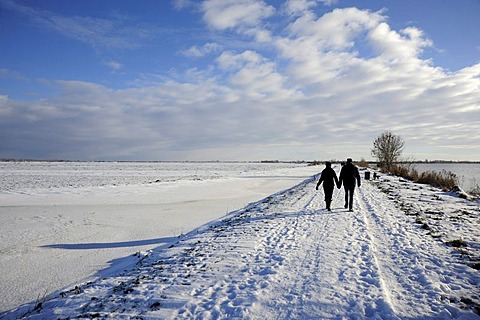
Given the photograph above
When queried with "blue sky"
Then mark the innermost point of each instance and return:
(238, 79)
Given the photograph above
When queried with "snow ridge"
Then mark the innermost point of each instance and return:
(286, 257)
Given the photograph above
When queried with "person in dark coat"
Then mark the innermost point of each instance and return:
(349, 176)
(329, 179)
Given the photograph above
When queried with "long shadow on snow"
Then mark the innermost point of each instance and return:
(110, 245)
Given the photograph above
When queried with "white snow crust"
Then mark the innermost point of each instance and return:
(407, 251)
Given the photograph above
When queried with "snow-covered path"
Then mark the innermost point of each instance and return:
(288, 258)
(310, 263)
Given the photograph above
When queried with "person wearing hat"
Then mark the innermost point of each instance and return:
(329, 179)
(349, 176)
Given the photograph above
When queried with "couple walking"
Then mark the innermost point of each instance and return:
(349, 176)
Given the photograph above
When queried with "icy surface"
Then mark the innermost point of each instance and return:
(46, 175)
(407, 251)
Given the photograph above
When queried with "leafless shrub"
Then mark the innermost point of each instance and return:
(387, 148)
(443, 179)
(362, 163)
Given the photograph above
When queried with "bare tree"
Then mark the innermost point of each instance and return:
(387, 148)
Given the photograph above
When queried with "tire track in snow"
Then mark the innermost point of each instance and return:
(402, 257)
(331, 275)
(365, 209)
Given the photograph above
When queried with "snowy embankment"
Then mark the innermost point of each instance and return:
(406, 252)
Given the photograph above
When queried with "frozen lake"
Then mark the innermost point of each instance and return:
(468, 173)
(36, 175)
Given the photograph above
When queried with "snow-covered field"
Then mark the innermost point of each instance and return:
(63, 222)
(408, 251)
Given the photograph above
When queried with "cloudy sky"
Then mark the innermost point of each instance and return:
(238, 79)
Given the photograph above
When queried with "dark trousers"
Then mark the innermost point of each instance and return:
(349, 190)
(328, 190)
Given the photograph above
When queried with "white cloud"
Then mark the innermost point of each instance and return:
(229, 14)
(393, 46)
(329, 2)
(117, 32)
(198, 52)
(114, 65)
(298, 7)
(255, 108)
(335, 30)
(182, 4)
(10, 74)
(194, 51)
(230, 61)
(5, 109)
(313, 92)
(243, 17)
(255, 76)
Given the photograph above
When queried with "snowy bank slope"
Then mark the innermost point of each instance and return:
(287, 258)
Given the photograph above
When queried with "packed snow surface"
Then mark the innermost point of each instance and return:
(407, 251)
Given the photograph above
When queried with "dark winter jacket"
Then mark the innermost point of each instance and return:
(328, 177)
(349, 175)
